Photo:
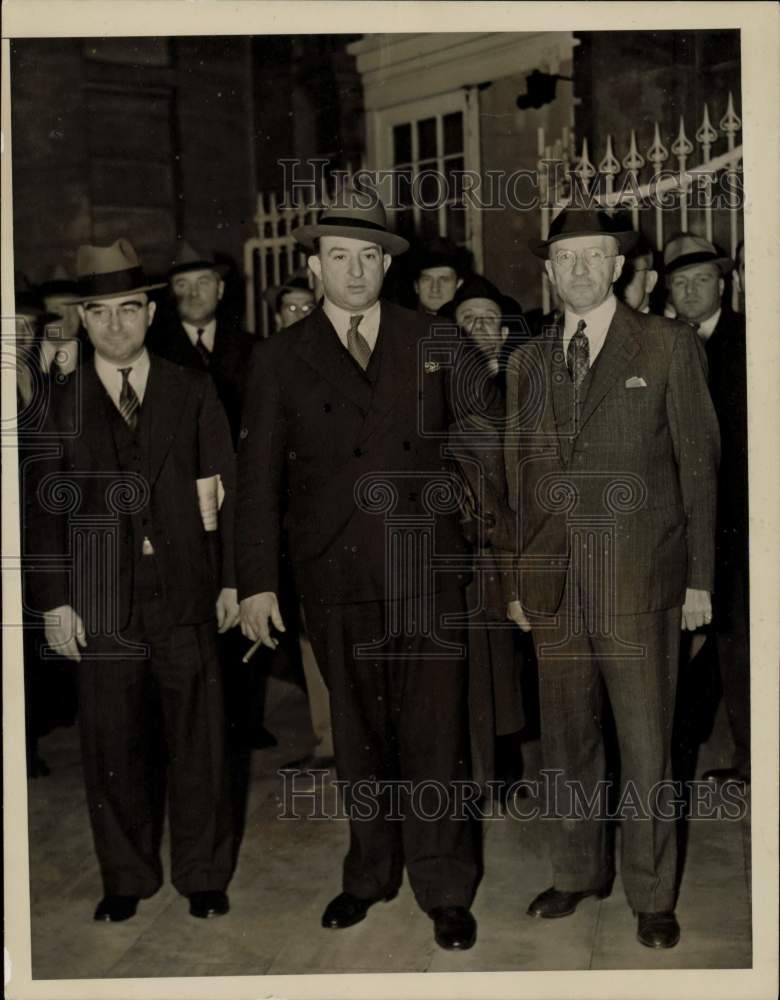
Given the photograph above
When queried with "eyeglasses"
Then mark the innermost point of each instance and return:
(127, 312)
(593, 256)
(293, 308)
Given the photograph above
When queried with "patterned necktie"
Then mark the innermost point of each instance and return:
(357, 345)
(578, 354)
(128, 400)
(201, 347)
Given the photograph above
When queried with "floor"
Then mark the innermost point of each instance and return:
(289, 869)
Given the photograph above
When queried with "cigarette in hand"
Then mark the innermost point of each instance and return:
(251, 651)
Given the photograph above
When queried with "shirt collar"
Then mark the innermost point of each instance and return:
(110, 375)
(340, 318)
(209, 329)
(596, 320)
(707, 326)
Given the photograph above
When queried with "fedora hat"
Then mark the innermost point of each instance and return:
(27, 301)
(685, 250)
(478, 287)
(584, 222)
(188, 259)
(440, 252)
(355, 215)
(298, 281)
(104, 272)
(60, 284)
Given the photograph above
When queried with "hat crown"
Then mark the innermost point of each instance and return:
(362, 205)
(120, 256)
(687, 243)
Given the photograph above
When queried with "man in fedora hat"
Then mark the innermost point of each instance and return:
(292, 300)
(695, 277)
(639, 278)
(611, 466)
(439, 269)
(331, 425)
(145, 468)
(63, 345)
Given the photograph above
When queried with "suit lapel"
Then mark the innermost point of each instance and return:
(319, 346)
(390, 362)
(96, 432)
(164, 399)
(620, 346)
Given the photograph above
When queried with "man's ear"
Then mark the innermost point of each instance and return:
(721, 286)
(220, 289)
(549, 269)
(416, 286)
(459, 283)
(387, 260)
(151, 308)
(82, 314)
(651, 280)
(315, 264)
(618, 267)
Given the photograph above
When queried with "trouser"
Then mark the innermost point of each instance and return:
(399, 719)
(318, 695)
(641, 690)
(734, 662)
(147, 723)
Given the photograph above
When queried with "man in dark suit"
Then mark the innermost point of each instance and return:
(198, 337)
(695, 277)
(342, 424)
(611, 464)
(131, 563)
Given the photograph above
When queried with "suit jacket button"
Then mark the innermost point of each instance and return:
(244, 433)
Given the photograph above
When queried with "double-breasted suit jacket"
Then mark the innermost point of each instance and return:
(333, 452)
(639, 448)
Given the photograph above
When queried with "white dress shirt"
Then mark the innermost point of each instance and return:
(209, 334)
(369, 325)
(109, 374)
(706, 328)
(596, 325)
(61, 355)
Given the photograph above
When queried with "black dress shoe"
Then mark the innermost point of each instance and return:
(554, 902)
(658, 930)
(722, 775)
(311, 762)
(115, 908)
(208, 903)
(454, 928)
(346, 910)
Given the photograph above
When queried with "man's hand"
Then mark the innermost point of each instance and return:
(64, 632)
(697, 609)
(227, 609)
(515, 613)
(255, 614)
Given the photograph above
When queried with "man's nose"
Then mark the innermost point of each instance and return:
(113, 320)
(356, 267)
(580, 266)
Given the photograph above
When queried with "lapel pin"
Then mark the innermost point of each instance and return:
(431, 367)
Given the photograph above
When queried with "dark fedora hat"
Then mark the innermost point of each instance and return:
(27, 301)
(188, 259)
(478, 287)
(355, 215)
(298, 281)
(686, 249)
(439, 252)
(104, 272)
(59, 285)
(584, 222)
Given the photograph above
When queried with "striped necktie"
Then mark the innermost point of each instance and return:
(201, 347)
(578, 354)
(357, 345)
(128, 400)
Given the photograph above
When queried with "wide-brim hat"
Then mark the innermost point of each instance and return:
(479, 287)
(186, 258)
(60, 284)
(105, 272)
(585, 222)
(27, 301)
(355, 215)
(685, 250)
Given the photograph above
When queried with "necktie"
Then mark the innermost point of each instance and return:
(578, 354)
(201, 347)
(357, 345)
(128, 400)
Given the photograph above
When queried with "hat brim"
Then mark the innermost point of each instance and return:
(393, 244)
(123, 293)
(724, 264)
(199, 265)
(627, 240)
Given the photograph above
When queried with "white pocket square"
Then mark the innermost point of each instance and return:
(636, 382)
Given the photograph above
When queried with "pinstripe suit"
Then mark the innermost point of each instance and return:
(614, 491)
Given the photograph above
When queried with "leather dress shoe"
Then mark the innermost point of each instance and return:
(722, 775)
(346, 910)
(658, 930)
(113, 908)
(454, 927)
(208, 903)
(553, 903)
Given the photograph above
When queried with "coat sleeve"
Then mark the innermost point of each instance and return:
(217, 459)
(696, 441)
(508, 536)
(261, 469)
